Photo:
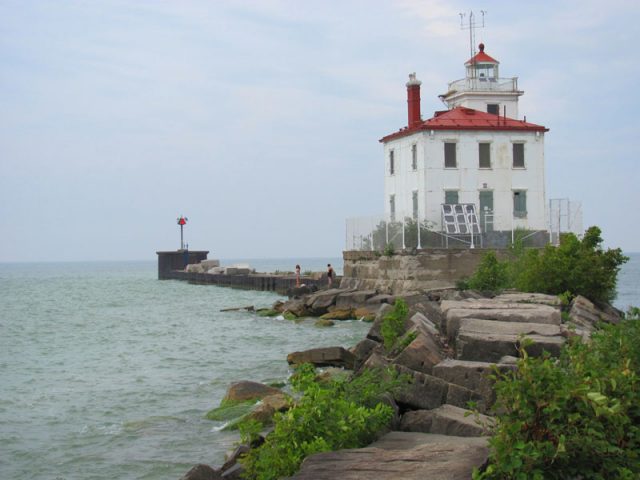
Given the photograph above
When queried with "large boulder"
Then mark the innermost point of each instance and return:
(355, 299)
(400, 455)
(319, 302)
(521, 297)
(446, 420)
(428, 392)
(202, 472)
(296, 306)
(475, 376)
(363, 350)
(489, 347)
(422, 353)
(585, 313)
(335, 313)
(246, 390)
(324, 357)
(517, 313)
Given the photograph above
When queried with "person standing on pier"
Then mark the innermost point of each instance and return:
(330, 275)
(297, 276)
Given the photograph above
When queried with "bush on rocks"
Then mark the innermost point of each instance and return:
(574, 417)
(330, 415)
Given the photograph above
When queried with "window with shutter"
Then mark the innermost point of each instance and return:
(518, 155)
(519, 203)
(484, 153)
(450, 155)
(451, 197)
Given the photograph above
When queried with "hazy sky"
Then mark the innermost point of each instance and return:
(260, 120)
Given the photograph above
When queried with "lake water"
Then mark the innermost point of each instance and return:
(106, 372)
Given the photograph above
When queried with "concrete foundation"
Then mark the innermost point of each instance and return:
(426, 269)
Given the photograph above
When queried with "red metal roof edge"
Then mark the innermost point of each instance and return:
(509, 124)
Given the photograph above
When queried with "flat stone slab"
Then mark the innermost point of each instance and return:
(529, 314)
(492, 347)
(484, 304)
(400, 455)
(478, 325)
(447, 420)
(521, 297)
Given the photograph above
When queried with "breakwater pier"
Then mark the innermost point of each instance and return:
(172, 266)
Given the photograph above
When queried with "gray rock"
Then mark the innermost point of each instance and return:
(400, 455)
(425, 391)
(381, 298)
(529, 314)
(296, 306)
(473, 376)
(475, 325)
(491, 347)
(421, 354)
(324, 357)
(319, 302)
(585, 313)
(375, 360)
(355, 299)
(446, 420)
(234, 473)
(363, 349)
(202, 472)
(425, 325)
(521, 297)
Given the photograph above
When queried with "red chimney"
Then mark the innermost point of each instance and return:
(413, 100)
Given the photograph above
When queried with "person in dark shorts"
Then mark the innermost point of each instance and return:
(297, 276)
(330, 275)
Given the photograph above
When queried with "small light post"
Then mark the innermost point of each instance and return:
(182, 221)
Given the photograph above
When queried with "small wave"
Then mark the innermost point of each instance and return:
(220, 427)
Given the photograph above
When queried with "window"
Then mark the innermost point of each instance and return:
(520, 203)
(450, 197)
(493, 108)
(414, 157)
(392, 207)
(392, 167)
(415, 204)
(450, 155)
(484, 154)
(518, 155)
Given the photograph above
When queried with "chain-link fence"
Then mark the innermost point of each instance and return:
(464, 228)
(564, 216)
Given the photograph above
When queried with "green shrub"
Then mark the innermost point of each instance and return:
(491, 274)
(328, 416)
(575, 267)
(573, 417)
(389, 250)
(393, 323)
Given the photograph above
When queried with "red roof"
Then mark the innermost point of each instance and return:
(481, 57)
(463, 118)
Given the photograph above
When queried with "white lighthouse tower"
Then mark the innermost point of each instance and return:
(477, 152)
(483, 89)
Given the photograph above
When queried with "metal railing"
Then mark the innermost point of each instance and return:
(484, 84)
(404, 232)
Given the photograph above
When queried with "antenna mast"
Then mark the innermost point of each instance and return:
(471, 24)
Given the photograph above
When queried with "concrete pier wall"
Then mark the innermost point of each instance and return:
(256, 281)
(424, 270)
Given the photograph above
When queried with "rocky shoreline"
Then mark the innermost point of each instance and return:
(451, 341)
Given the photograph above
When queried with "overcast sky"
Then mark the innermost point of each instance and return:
(260, 120)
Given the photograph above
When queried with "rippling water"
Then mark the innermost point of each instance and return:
(107, 372)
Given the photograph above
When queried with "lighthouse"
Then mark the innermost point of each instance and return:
(478, 152)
